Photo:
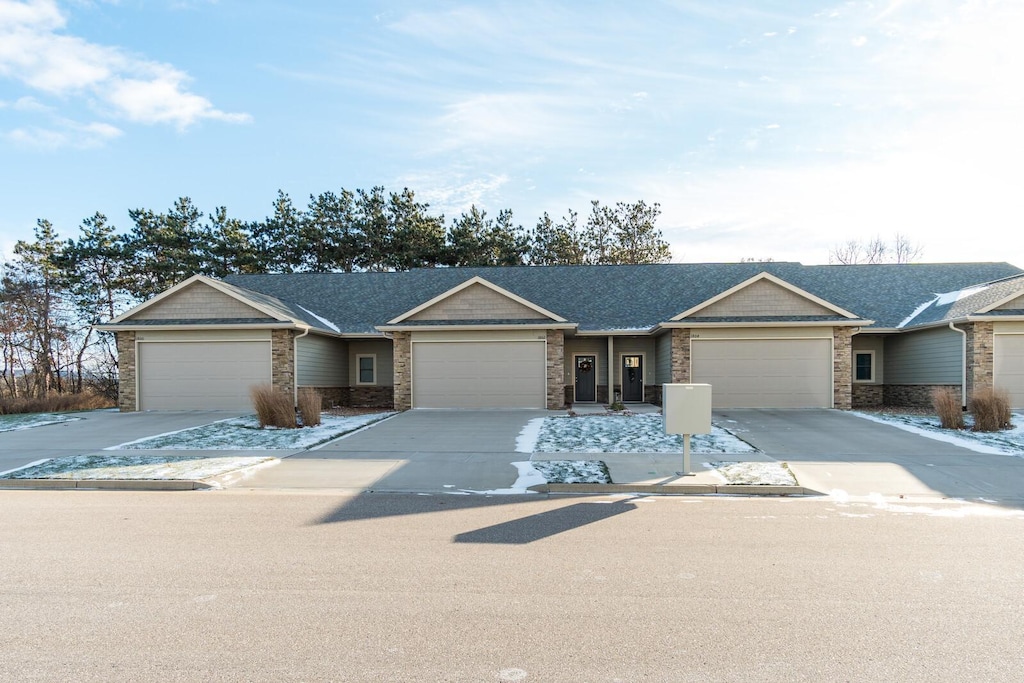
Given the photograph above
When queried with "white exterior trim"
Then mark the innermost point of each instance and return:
(770, 278)
(358, 369)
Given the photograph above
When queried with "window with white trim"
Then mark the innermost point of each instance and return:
(366, 369)
(864, 366)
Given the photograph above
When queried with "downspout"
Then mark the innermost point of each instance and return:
(963, 365)
(295, 365)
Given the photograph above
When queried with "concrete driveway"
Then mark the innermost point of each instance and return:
(418, 450)
(93, 431)
(830, 450)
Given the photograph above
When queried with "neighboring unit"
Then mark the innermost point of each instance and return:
(773, 335)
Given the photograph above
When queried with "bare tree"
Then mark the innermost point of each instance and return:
(876, 250)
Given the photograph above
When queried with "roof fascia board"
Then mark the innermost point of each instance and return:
(683, 324)
(476, 280)
(215, 284)
(461, 328)
(283, 325)
(617, 333)
(763, 275)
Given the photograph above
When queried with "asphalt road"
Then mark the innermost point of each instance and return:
(226, 586)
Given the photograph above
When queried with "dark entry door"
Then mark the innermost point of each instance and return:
(586, 379)
(632, 379)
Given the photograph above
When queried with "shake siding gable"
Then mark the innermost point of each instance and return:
(764, 298)
(1013, 305)
(927, 357)
(478, 302)
(196, 302)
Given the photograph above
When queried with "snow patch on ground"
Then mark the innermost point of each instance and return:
(753, 473)
(245, 434)
(125, 466)
(619, 434)
(1006, 442)
(13, 423)
(538, 472)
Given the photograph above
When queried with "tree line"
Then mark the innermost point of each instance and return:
(54, 288)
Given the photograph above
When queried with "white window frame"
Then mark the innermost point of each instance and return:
(373, 357)
(871, 379)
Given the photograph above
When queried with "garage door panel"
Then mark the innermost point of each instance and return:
(201, 375)
(479, 375)
(1008, 357)
(769, 373)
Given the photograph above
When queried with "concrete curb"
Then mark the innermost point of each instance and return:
(105, 484)
(678, 489)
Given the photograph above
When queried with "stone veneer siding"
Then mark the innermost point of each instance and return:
(282, 354)
(912, 395)
(126, 396)
(680, 356)
(842, 368)
(980, 347)
(556, 369)
(402, 370)
(867, 396)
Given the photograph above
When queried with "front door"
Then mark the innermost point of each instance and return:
(586, 379)
(632, 379)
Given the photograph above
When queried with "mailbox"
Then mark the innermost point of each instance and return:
(686, 408)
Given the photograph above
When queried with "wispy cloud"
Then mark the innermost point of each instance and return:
(64, 133)
(453, 193)
(35, 50)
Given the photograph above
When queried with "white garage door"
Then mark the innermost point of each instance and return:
(201, 375)
(765, 373)
(1008, 366)
(499, 374)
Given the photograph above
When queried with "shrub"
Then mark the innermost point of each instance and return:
(310, 405)
(54, 403)
(991, 409)
(946, 402)
(617, 406)
(273, 408)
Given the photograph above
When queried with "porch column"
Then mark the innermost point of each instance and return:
(842, 368)
(611, 369)
(555, 369)
(980, 353)
(680, 356)
(402, 377)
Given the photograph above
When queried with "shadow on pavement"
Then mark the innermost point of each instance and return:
(545, 524)
(519, 531)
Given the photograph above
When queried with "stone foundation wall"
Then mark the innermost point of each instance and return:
(126, 397)
(912, 395)
(371, 397)
(331, 397)
(652, 394)
(867, 396)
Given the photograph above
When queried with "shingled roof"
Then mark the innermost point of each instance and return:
(622, 297)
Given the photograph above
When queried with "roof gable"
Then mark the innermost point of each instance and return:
(761, 296)
(476, 299)
(199, 298)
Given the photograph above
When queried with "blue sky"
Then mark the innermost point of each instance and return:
(764, 129)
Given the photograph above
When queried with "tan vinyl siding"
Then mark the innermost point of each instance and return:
(321, 361)
(764, 298)
(663, 359)
(867, 342)
(198, 301)
(929, 357)
(583, 346)
(382, 349)
(478, 302)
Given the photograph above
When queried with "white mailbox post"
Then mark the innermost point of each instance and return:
(686, 410)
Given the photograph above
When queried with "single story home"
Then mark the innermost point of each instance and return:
(762, 334)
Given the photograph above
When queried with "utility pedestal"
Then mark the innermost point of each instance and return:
(686, 410)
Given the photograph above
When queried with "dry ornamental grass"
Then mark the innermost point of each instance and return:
(947, 404)
(310, 405)
(991, 409)
(273, 408)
